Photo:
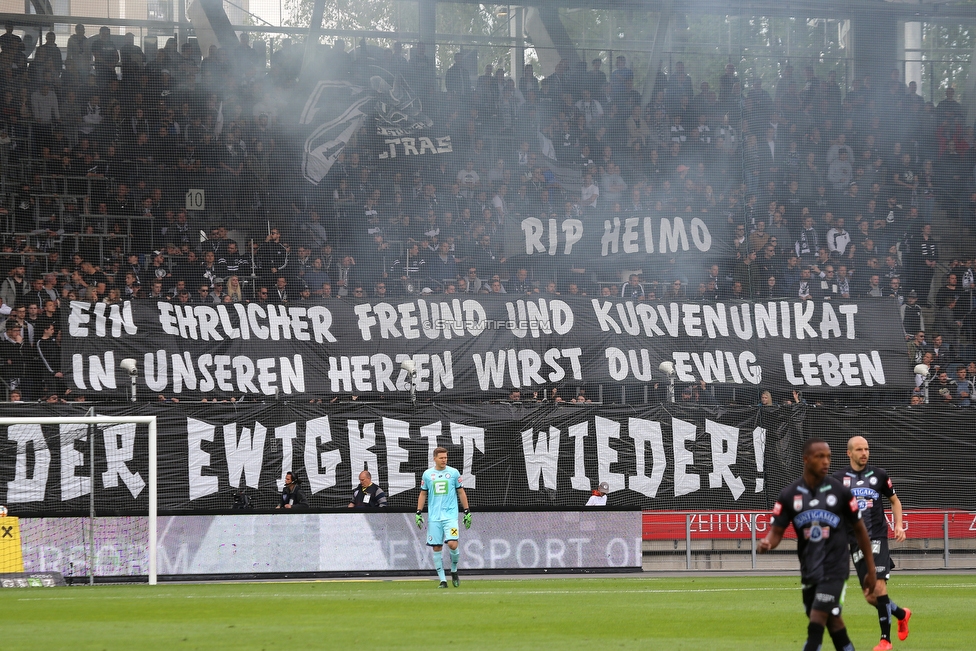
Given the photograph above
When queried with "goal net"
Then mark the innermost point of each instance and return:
(102, 519)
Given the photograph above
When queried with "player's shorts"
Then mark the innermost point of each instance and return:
(827, 597)
(440, 531)
(882, 560)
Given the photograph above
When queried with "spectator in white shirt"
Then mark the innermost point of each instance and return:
(44, 104)
(613, 185)
(499, 201)
(469, 180)
(590, 192)
(840, 173)
(590, 109)
(599, 496)
(838, 239)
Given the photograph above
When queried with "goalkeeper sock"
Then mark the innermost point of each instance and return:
(455, 555)
(884, 617)
(814, 637)
(439, 565)
(893, 608)
(841, 641)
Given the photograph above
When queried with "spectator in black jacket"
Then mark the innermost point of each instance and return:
(912, 318)
(15, 355)
(442, 265)
(233, 262)
(48, 362)
(367, 495)
(272, 255)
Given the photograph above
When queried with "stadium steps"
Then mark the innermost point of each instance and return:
(956, 239)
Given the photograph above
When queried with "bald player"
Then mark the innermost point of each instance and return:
(868, 484)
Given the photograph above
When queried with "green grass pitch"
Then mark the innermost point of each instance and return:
(560, 613)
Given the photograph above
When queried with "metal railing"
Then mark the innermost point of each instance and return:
(728, 540)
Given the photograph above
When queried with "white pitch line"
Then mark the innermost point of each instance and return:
(344, 593)
(459, 593)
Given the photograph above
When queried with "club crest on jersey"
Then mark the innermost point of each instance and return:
(797, 502)
(831, 500)
(816, 532)
(873, 481)
(847, 481)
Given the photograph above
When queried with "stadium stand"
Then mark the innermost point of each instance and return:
(814, 190)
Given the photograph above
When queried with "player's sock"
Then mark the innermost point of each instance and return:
(439, 566)
(884, 617)
(841, 641)
(895, 610)
(455, 555)
(814, 637)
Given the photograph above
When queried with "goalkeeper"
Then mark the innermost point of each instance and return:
(443, 484)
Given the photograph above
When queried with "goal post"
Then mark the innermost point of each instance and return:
(150, 422)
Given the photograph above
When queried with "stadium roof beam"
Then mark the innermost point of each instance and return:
(655, 58)
(828, 9)
(812, 8)
(42, 7)
(24, 21)
(216, 17)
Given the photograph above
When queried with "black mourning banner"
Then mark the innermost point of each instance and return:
(510, 456)
(479, 347)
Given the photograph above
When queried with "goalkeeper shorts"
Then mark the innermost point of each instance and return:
(440, 531)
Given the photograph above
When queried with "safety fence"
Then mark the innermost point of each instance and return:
(728, 540)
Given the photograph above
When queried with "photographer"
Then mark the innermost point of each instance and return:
(367, 496)
(291, 495)
(242, 502)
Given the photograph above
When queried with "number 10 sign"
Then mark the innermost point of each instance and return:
(195, 200)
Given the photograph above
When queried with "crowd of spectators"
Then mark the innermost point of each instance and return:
(816, 191)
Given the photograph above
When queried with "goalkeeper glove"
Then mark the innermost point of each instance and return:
(420, 519)
(467, 519)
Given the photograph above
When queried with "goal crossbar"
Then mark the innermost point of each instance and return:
(112, 420)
